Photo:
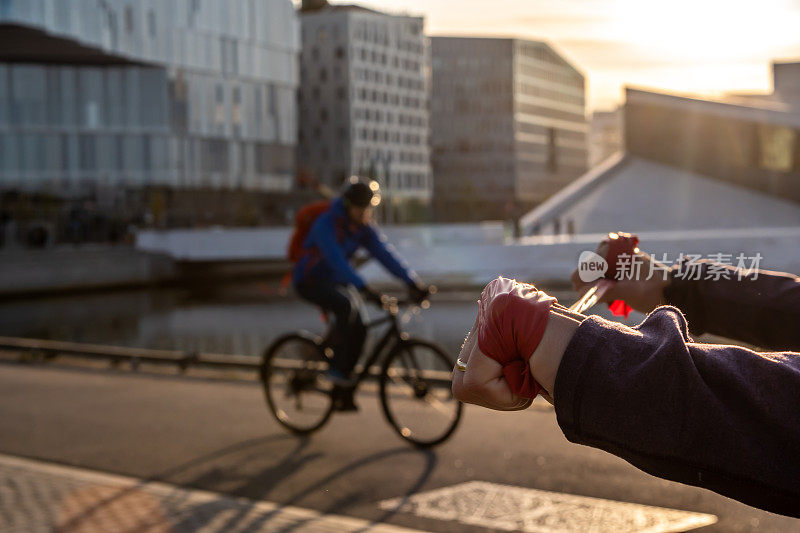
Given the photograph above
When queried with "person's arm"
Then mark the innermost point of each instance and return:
(375, 242)
(323, 235)
(720, 417)
(762, 309)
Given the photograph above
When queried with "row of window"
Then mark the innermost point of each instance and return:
(114, 154)
(135, 98)
(561, 134)
(245, 35)
(381, 34)
(482, 64)
(376, 76)
(450, 84)
(543, 111)
(551, 94)
(378, 116)
(384, 59)
(367, 134)
(563, 77)
(55, 96)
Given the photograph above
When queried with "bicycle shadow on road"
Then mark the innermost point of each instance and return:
(226, 471)
(260, 485)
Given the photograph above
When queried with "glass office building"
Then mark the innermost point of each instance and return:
(508, 121)
(130, 93)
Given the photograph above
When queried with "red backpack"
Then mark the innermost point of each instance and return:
(302, 225)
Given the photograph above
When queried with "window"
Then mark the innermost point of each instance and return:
(214, 156)
(273, 100)
(777, 147)
(128, 17)
(552, 162)
(237, 106)
(151, 22)
(219, 107)
(194, 7)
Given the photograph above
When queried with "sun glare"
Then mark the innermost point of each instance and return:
(695, 31)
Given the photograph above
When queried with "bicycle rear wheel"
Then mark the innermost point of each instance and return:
(290, 374)
(416, 393)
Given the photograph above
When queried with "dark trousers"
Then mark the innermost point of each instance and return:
(348, 332)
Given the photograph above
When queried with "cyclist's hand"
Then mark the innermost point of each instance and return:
(418, 292)
(374, 296)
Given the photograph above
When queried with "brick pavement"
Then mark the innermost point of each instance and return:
(41, 497)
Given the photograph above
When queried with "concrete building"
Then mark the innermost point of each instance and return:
(364, 103)
(116, 95)
(508, 126)
(688, 165)
(605, 135)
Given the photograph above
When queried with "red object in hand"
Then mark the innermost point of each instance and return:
(618, 244)
(512, 318)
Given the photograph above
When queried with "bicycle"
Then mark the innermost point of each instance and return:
(414, 381)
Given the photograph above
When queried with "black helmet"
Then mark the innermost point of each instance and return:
(361, 193)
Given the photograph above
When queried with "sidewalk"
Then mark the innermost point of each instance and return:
(37, 496)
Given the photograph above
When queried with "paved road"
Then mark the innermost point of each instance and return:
(217, 436)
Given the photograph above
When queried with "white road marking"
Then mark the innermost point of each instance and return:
(496, 506)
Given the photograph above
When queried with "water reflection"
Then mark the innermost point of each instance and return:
(236, 319)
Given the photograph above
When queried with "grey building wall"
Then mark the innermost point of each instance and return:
(364, 100)
(182, 93)
(786, 81)
(751, 147)
(508, 126)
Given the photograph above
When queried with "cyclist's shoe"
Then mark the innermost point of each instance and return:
(344, 400)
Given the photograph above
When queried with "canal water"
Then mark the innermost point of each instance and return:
(232, 319)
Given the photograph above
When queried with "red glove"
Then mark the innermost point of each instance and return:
(619, 243)
(512, 318)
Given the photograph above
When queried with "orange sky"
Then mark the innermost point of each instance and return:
(694, 46)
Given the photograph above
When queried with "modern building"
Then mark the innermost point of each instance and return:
(508, 126)
(117, 95)
(785, 87)
(688, 164)
(605, 135)
(364, 103)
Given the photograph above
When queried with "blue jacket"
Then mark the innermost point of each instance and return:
(332, 242)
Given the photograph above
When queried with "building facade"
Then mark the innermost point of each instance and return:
(508, 126)
(364, 104)
(605, 136)
(754, 146)
(123, 94)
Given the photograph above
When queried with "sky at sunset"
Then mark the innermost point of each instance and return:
(688, 46)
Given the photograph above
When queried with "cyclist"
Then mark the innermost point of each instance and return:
(325, 277)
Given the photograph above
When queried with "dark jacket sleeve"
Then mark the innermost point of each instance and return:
(375, 242)
(720, 417)
(762, 309)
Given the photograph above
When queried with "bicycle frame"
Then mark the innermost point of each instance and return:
(392, 334)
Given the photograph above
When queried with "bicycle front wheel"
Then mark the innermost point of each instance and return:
(290, 374)
(416, 393)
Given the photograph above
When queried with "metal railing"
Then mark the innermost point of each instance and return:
(49, 350)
